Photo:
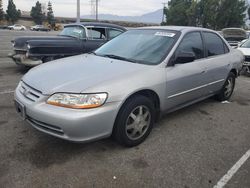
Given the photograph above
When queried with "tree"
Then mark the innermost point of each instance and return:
(231, 13)
(215, 14)
(207, 13)
(192, 14)
(177, 12)
(37, 14)
(50, 15)
(12, 13)
(248, 12)
(1, 11)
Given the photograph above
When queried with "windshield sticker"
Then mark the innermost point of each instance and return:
(165, 34)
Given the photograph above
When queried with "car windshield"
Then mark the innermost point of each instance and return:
(74, 31)
(246, 44)
(140, 46)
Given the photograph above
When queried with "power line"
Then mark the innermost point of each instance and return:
(94, 8)
(92, 12)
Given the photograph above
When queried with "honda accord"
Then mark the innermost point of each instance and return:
(122, 88)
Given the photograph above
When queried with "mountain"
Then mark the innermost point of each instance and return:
(152, 17)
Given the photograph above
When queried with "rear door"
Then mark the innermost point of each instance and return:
(185, 82)
(217, 61)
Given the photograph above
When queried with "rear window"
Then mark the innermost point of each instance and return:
(214, 44)
(95, 33)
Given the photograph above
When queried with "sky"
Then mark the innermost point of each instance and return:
(67, 8)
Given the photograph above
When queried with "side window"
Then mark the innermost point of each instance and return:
(97, 33)
(214, 44)
(192, 42)
(114, 33)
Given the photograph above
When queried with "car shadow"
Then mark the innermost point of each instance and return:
(49, 150)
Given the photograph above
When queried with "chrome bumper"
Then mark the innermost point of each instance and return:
(22, 59)
(245, 63)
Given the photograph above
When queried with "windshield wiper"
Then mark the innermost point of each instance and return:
(119, 58)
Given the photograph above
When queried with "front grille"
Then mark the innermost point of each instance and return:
(46, 127)
(247, 58)
(29, 92)
(23, 52)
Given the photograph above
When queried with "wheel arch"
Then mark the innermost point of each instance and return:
(235, 72)
(149, 93)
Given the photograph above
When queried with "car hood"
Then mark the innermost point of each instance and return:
(20, 42)
(78, 73)
(245, 51)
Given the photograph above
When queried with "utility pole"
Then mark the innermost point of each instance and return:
(78, 20)
(96, 11)
(163, 11)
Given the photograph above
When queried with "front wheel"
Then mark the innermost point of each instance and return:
(134, 121)
(227, 89)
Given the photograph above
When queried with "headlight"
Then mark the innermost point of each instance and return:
(28, 46)
(78, 101)
(13, 43)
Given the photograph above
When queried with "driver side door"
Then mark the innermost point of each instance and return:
(185, 81)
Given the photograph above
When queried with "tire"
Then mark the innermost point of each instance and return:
(227, 89)
(134, 121)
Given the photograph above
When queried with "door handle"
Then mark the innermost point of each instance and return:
(203, 72)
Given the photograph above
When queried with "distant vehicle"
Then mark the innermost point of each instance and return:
(220, 32)
(245, 49)
(39, 28)
(234, 35)
(17, 27)
(123, 86)
(248, 34)
(3, 27)
(74, 39)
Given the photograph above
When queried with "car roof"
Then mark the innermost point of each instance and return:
(177, 28)
(98, 24)
(233, 28)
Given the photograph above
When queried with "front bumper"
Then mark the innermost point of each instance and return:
(22, 59)
(245, 63)
(69, 124)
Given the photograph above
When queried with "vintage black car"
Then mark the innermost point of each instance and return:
(73, 40)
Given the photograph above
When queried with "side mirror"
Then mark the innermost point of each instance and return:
(184, 57)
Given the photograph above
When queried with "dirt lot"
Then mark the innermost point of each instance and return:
(190, 148)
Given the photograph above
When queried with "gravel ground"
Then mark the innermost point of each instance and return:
(190, 148)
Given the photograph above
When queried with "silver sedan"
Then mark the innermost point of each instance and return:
(124, 86)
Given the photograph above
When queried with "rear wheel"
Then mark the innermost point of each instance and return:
(227, 89)
(134, 121)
